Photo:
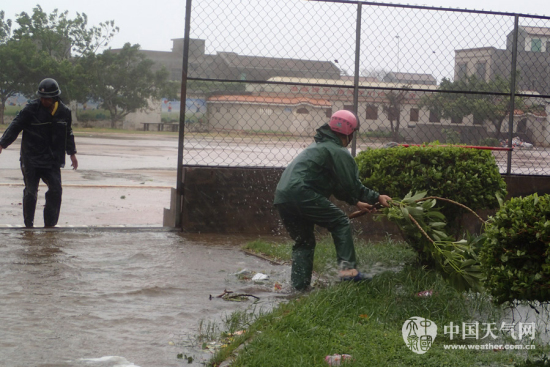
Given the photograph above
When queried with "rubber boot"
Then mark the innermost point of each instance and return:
(343, 242)
(52, 208)
(302, 266)
(29, 207)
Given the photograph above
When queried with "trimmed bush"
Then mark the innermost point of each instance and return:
(468, 176)
(515, 257)
(489, 142)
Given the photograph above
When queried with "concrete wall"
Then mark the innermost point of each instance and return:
(239, 200)
(135, 120)
(265, 117)
(230, 200)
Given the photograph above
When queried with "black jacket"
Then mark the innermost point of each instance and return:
(46, 138)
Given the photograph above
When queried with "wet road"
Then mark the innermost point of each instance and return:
(121, 181)
(118, 298)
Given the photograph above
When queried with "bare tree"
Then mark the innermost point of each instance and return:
(392, 109)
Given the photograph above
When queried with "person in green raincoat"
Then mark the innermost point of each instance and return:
(324, 168)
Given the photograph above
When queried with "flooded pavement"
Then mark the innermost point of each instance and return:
(125, 179)
(121, 181)
(119, 297)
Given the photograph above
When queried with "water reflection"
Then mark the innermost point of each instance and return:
(76, 298)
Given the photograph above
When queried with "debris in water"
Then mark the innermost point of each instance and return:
(229, 296)
(260, 276)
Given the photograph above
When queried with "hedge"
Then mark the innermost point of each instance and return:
(468, 176)
(515, 256)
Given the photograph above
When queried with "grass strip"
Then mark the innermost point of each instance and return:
(365, 319)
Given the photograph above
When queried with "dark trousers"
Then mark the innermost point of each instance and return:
(299, 219)
(52, 178)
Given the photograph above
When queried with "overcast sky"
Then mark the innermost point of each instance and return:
(155, 24)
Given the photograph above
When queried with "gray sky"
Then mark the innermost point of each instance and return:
(155, 24)
(392, 39)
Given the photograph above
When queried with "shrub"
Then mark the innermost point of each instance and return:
(515, 256)
(467, 176)
(451, 136)
(489, 142)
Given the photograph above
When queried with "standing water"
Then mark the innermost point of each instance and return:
(118, 298)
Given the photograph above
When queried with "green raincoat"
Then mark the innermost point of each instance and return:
(323, 169)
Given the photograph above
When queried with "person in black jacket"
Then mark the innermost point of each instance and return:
(47, 135)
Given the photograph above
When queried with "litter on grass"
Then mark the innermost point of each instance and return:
(427, 293)
(336, 359)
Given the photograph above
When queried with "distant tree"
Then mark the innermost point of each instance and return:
(63, 43)
(48, 45)
(61, 37)
(124, 82)
(5, 28)
(392, 108)
(483, 107)
(19, 71)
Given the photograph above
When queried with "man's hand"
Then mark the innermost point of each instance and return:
(74, 161)
(364, 207)
(383, 199)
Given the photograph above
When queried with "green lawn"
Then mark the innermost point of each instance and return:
(365, 320)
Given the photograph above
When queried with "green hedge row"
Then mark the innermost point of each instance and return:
(468, 176)
(515, 256)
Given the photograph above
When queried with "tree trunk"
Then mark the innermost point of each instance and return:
(396, 136)
(498, 126)
(112, 113)
(2, 108)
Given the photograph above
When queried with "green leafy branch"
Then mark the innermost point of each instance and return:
(423, 226)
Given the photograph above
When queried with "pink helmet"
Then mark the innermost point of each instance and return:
(343, 122)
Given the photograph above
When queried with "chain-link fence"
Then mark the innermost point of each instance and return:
(263, 75)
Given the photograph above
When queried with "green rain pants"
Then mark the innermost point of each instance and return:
(299, 219)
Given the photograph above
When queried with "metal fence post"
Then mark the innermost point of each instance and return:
(512, 93)
(183, 97)
(356, 78)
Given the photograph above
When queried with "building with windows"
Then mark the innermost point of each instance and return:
(533, 67)
(295, 108)
(533, 60)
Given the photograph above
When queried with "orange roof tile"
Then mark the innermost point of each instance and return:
(270, 100)
(534, 113)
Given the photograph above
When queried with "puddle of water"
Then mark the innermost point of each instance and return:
(118, 298)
